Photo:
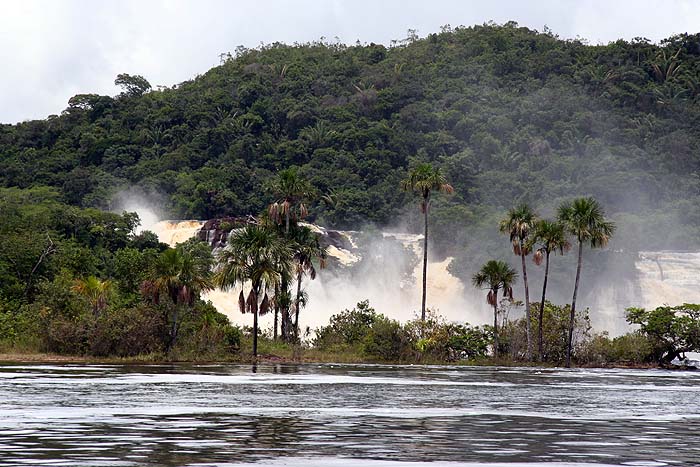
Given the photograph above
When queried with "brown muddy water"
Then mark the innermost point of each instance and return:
(346, 415)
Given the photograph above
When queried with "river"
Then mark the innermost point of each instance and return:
(345, 415)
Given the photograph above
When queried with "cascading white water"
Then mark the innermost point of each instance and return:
(391, 280)
(388, 279)
(668, 278)
(174, 232)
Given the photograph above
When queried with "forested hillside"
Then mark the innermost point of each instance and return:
(509, 114)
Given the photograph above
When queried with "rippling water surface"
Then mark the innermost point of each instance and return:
(344, 415)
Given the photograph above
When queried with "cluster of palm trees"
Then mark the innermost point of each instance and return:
(265, 259)
(582, 219)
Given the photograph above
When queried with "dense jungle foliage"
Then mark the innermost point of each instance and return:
(79, 281)
(508, 114)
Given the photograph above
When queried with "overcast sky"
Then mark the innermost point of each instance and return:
(51, 50)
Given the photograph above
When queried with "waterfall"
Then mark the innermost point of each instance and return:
(668, 278)
(385, 268)
(174, 232)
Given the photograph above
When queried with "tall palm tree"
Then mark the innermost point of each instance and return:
(307, 249)
(495, 276)
(548, 237)
(584, 219)
(424, 179)
(519, 224)
(256, 256)
(95, 291)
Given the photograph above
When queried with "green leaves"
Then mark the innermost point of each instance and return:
(584, 218)
(673, 330)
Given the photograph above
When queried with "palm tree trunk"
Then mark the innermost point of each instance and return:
(495, 323)
(284, 310)
(255, 322)
(286, 221)
(255, 331)
(540, 319)
(277, 310)
(296, 306)
(528, 324)
(426, 201)
(573, 306)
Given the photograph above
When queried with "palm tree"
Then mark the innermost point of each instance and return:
(291, 190)
(584, 219)
(494, 276)
(424, 179)
(307, 249)
(181, 274)
(548, 237)
(95, 291)
(518, 224)
(257, 256)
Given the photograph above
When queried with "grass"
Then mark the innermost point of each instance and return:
(269, 351)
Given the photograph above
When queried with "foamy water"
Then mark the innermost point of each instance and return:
(392, 282)
(392, 287)
(343, 415)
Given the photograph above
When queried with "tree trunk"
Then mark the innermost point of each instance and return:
(50, 249)
(528, 324)
(495, 323)
(255, 323)
(540, 344)
(284, 310)
(277, 310)
(286, 221)
(255, 331)
(573, 306)
(296, 307)
(426, 204)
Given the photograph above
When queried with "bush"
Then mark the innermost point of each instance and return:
(206, 334)
(555, 333)
(386, 340)
(66, 335)
(375, 336)
(469, 341)
(347, 328)
(127, 332)
(632, 348)
(443, 341)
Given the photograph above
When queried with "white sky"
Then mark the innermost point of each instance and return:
(51, 50)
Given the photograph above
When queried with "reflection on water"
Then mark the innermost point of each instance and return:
(317, 415)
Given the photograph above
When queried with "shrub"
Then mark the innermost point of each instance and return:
(555, 329)
(127, 332)
(67, 335)
(206, 334)
(347, 328)
(631, 348)
(386, 340)
(469, 341)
